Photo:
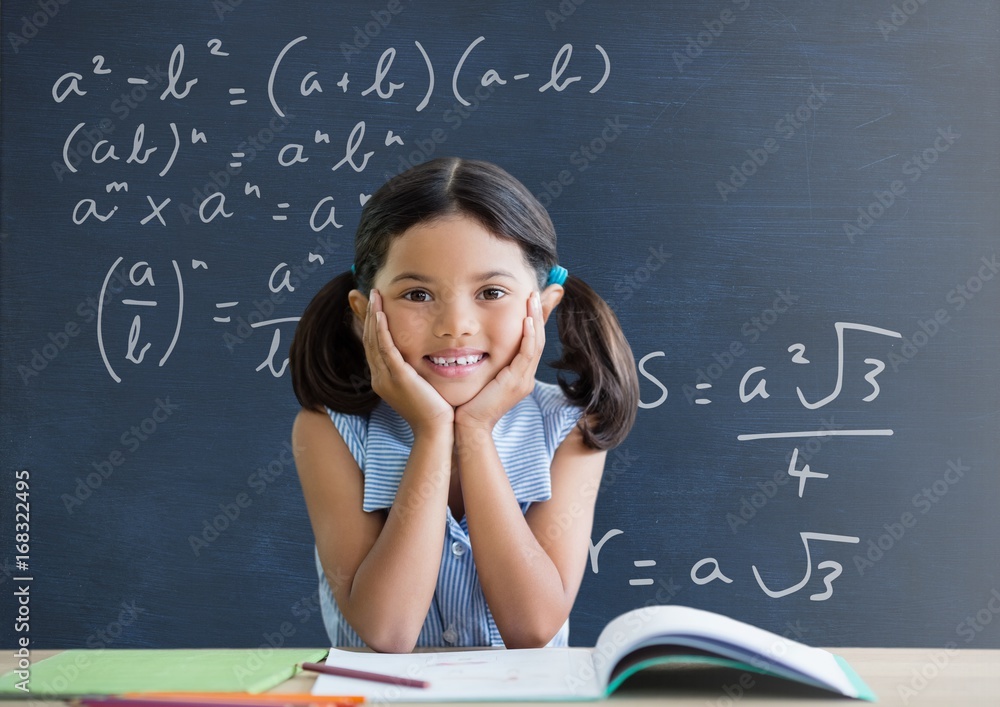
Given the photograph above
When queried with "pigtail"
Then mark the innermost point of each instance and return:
(327, 359)
(594, 347)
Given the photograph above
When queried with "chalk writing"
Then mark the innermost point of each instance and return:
(141, 274)
(753, 383)
(752, 390)
(358, 144)
(708, 569)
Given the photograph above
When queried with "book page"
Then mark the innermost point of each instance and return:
(486, 674)
(721, 635)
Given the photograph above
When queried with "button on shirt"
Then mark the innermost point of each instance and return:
(526, 439)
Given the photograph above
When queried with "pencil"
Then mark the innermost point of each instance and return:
(363, 675)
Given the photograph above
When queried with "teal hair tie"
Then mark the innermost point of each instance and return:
(557, 275)
(353, 271)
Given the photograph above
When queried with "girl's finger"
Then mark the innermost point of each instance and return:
(389, 356)
(534, 329)
(378, 343)
(538, 321)
(376, 365)
(369, 329)
(383, 339)
(529, 353)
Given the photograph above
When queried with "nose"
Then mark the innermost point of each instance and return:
(455, 318)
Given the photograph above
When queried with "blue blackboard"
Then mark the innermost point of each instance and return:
(792, 207)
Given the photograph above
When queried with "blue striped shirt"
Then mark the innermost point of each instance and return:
(526, 439)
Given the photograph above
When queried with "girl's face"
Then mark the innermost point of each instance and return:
(455, 298)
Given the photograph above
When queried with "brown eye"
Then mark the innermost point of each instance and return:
(493, 293)
(417, 296)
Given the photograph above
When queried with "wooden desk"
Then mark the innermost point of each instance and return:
(909, 677)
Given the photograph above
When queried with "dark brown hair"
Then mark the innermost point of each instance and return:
(328, 363)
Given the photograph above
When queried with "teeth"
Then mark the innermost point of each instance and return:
(456, 361)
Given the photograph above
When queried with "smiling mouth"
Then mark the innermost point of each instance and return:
(456, 360)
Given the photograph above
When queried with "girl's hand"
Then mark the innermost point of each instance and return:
(395, 381)
(513, 382)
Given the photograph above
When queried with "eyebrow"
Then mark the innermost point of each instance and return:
(480, 277)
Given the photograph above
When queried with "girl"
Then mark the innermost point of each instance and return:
(450, 493)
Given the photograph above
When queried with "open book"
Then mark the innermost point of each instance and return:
(635, 640)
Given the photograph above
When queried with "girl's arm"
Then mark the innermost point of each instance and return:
(530, 566)
(382, 568)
